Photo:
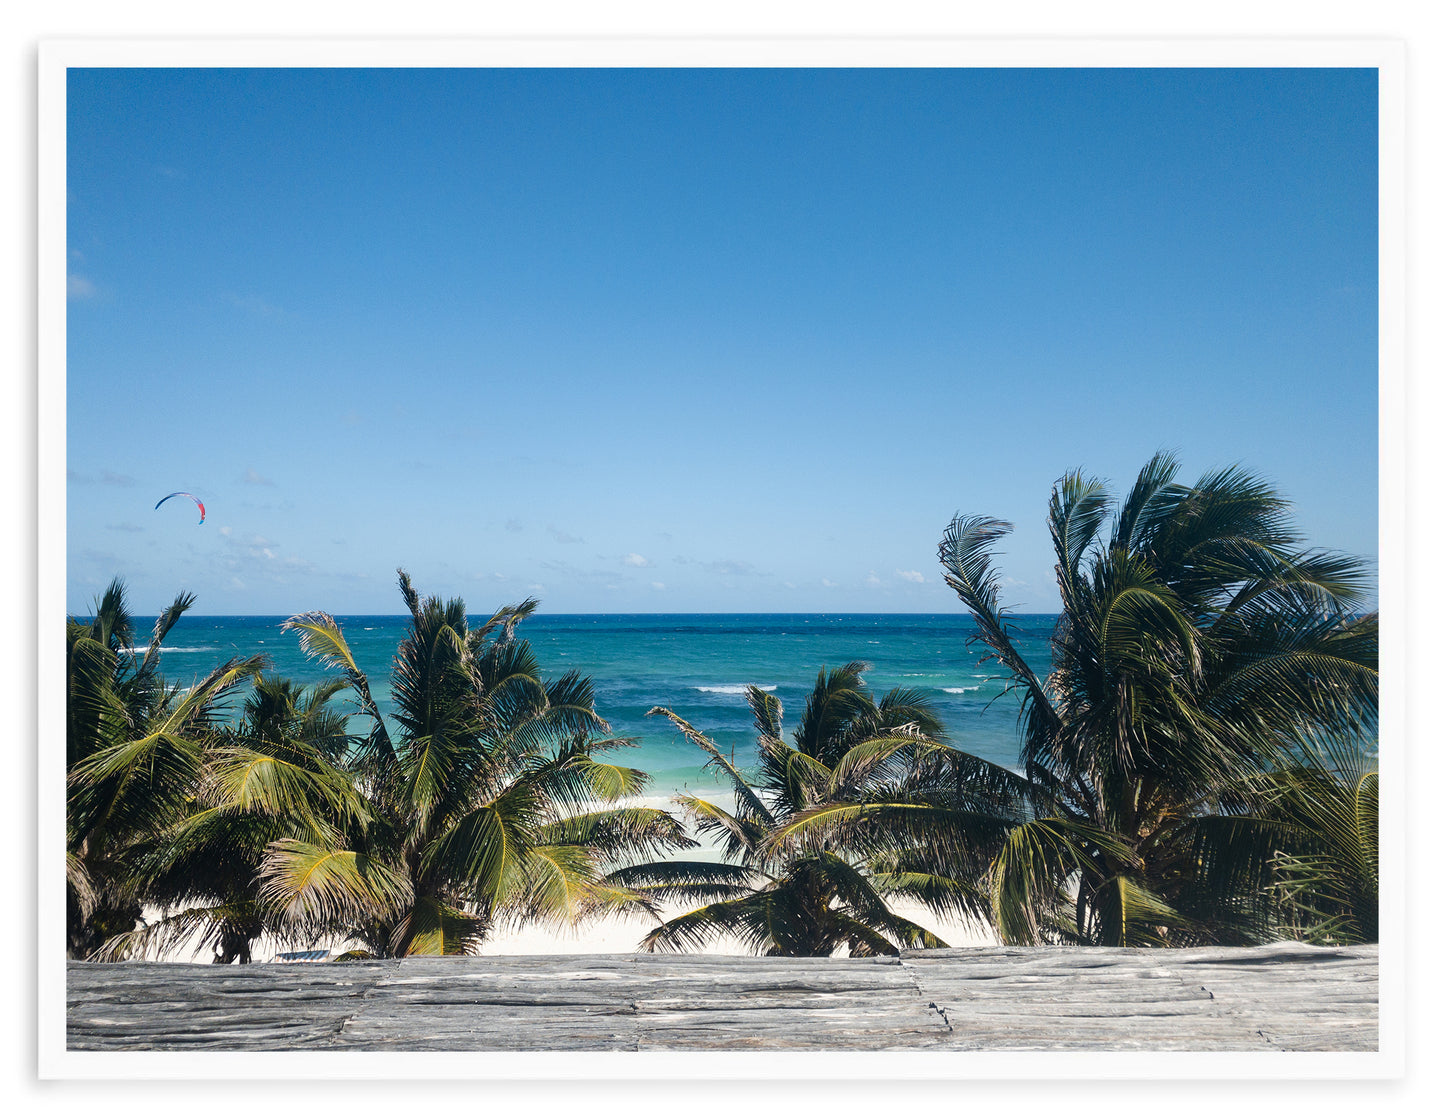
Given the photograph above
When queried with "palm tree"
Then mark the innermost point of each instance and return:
(487, 805)
(1199, 648)
(135, 749)
(274, 776)
(788, 898)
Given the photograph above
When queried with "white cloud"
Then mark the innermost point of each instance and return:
(564, 537)
(253, 478)
(632, 559)
(720, 566)
(829, 582)
(911, 576)
(659, 586)
(78, 287)
(873, 579)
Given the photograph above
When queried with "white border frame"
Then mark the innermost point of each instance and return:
(1388, 56)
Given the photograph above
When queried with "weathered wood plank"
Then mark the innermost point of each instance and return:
(1200, 999)
(1283, 997)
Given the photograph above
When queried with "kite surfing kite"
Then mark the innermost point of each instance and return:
(192, 496)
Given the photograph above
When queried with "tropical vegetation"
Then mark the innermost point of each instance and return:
(1204, 661)
(779, 898)
(489, 803)
(277, 776)
(1197, 766)
(136, 753)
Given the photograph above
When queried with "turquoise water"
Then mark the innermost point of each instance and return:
(696, 664)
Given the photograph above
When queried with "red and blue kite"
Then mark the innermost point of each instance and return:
(192, 496)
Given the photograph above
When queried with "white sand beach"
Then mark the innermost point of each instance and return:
(618, 936)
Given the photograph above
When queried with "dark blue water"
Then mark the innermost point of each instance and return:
(695, 664)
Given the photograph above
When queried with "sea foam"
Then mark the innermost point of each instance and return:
(142, 649)
(735, 689)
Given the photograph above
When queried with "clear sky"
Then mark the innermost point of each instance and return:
(694, 340)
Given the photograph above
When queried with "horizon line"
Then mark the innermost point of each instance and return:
(674, 613)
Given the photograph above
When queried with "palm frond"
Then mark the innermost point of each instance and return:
(306, 886)
(966, 553)
(749, 798)
(164, 623)
(321, 637)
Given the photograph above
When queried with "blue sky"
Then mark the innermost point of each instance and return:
(671, 340)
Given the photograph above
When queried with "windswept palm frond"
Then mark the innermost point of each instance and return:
(503, 623)
(299, 788)
(1034, 865)
(617, 834)
(788, 884)
(740, 834)
(957, 898)
(164, 624)
(309, 887)
(321, 637)
(767, 713)
(745, 918)
(674, 882)
(750, 802)
(433, 927)
(215, 926)
(966, 553)
(82, 888)
(577, 783)
(1077, 509)
(480, 853)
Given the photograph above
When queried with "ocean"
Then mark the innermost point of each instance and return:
(695, 664)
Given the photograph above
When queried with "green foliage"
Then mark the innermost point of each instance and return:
(1201, 662)
(488, 804)
(787, 885)
(137, 753)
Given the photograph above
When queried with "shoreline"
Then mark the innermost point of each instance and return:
(612, 935)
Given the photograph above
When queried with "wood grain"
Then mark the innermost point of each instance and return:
(1286, 997)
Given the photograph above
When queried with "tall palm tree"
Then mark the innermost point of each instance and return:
(1198, 647)
(489, 803)
(135, 749)
(790, 898)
